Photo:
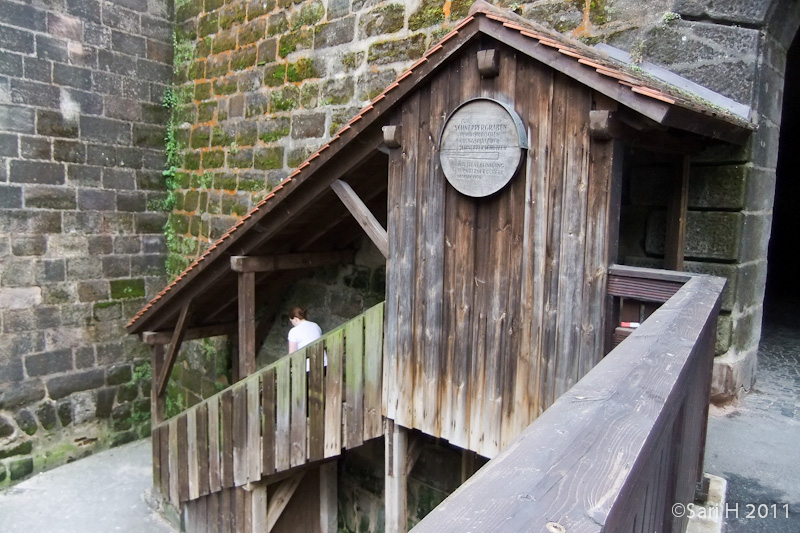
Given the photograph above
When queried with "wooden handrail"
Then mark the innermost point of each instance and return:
(619, 448)
(281, 417)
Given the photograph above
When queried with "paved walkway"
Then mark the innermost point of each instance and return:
(755, 444)
(102, 493)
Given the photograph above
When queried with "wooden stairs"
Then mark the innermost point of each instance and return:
(220, 456)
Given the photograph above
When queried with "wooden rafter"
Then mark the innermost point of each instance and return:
(270, 263)
(154, 338)
(363, 215)
(174, 347)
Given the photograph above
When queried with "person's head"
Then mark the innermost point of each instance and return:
(296, 315)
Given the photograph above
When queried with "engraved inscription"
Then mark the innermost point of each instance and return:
(480, 148)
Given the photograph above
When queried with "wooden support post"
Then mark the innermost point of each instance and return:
(281, 498)
(328, 497)
(676, 219)
(156, 399)
(174, 347)
(247, 324)
(395, 464)
(374, 230)
(258, 508)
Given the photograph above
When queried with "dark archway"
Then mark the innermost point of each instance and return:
(783, 277)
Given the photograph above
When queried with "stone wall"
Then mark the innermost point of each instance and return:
(81, 238)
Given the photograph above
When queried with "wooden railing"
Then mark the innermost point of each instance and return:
(295, 411)
(618, 449)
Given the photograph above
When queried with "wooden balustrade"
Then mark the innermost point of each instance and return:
(618, 449)
(293, 412)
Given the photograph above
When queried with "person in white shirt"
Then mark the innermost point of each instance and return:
(303, 331)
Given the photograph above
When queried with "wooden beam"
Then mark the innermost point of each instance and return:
(174, 347)
(156, 400)
(414, 450)
(281, 498)
(328, 497)
(247, 323)
(396, 443)
(164, 337)
(488, 63)
(676, 219)
(258, 508)
(271, 263)
(373, 228)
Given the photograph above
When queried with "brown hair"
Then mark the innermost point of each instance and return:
(297, 312)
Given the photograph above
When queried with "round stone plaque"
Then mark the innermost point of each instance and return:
(481, 146)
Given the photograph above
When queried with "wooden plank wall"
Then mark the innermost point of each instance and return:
(284, 416)
(495, 305)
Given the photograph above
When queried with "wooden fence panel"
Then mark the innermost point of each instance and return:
(298, 407)
(214, 480)
(316, 402)
(183, 459)
(354, 383)
(240, 468)
(333, 393)
(268, 409)
(202, 448)
(283, 436)
(226, 408)
(373, 372)
(191, 438)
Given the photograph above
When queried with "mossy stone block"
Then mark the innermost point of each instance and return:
(233, 13)
(273, 129)
(208, 24)
(202, 47)
(267, 51)
(275, 75)
(384, 52)
(252, 184)
(338, 91)
(309, 14)
(217, 65)
(428, 13)
(213, 159)
(191, 160)
(205, 112)
(127, 393)
(309, 95)
(335, 33)
(225, 182)
(246, 133)
(189, 204)
(381, 21)
(303, 69)
(127, 288)
(20, 468)
(241, 158)
(201, 136)
(460, 8)
(202, 91)
(222, 135)
(26, 421)
(23, 448)
(297, 156)
(64, 410)
(256, 8)
(6, 428)
(117, 375)
(252, 32)
(244, 58)
(268, 158)
(296, 40)
(285, 99)
(46, 413)
(223, 86)
(277, 24)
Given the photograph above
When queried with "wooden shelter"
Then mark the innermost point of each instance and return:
(496, 304)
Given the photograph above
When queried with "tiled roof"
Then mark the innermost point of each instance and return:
(626, 76)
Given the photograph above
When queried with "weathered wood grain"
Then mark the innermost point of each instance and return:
(280, 499)
(254, 452)
(214, 448)
(333, 393)
(316, 402)
(192, 453)
(269, 428)
(182, 458)
(354, 382)
(240, 455)
(201, 422)
(299, 403)
(226, 421)
(283, 409)
(583, 457)
(247, 323)
(373, 371)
